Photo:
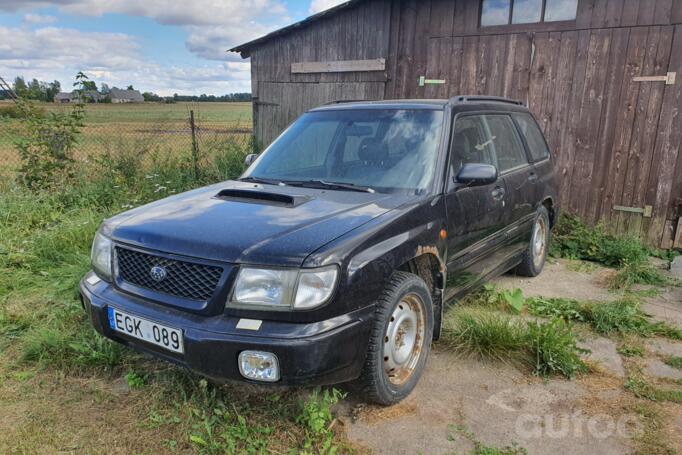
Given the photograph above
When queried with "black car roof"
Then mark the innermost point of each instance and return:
(430, 104)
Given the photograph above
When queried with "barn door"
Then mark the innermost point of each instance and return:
(635, 203)
(496, 65)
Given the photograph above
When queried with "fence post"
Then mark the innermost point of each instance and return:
(195, 151)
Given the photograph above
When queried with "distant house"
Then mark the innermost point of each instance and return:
(118, 95)
(90, 96)
(62, 97)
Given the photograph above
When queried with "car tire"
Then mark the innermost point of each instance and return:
(400, 340)
(536, 253)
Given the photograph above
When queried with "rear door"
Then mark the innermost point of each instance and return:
(476, 214)
(520, 179)
(538, 152)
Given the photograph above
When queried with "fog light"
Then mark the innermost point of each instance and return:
(259, 366)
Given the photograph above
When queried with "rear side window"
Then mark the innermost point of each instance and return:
(506, 142)
(534, 138)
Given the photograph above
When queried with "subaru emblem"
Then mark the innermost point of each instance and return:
(158, 273)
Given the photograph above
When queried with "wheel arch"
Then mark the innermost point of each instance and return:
(548, 203)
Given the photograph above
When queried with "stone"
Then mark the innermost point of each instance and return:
(676, 267)
(658, 369)
(604, 352)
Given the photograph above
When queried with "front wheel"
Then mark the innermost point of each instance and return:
(400, 340)
(536, 254)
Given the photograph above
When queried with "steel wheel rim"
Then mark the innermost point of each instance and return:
(539, 242)
(404, 339)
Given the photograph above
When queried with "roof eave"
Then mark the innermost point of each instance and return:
(244, 49)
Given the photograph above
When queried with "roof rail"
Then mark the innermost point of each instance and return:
(479, 98)
(345, 101)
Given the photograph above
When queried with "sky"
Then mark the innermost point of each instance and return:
(161, 46)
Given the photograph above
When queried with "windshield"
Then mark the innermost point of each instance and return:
(382, 149)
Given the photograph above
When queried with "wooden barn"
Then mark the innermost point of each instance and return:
(600, 76)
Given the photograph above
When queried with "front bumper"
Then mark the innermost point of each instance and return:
(318, 353)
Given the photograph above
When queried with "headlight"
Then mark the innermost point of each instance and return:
(285, 289)
(264, 287)
(101, 256)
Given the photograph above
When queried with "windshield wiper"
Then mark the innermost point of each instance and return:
(262, 180)
(316, 183)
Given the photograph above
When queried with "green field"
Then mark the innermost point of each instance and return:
(214, 113)
(140, 128)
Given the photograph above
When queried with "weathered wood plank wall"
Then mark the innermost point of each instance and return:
(280, 96)
(616, 141)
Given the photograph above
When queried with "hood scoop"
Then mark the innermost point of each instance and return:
(262, 197)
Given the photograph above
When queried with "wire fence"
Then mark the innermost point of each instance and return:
(194, 131)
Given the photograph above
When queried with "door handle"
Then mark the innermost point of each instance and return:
(533, 177)
(498, 193)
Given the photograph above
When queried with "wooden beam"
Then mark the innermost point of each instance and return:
(339, 66)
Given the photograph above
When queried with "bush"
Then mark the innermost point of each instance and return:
(574, 240)
(46, 144)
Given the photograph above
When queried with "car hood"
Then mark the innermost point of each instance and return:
(255, 227)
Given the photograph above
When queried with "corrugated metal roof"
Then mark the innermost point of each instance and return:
(243, 49)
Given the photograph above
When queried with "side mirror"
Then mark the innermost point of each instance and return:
(475, 174)
(250, 158)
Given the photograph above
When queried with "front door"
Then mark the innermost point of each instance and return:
(475, 214)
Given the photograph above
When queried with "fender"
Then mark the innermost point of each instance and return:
(384, 245)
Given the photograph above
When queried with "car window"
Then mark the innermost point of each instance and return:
(312, 145)
(506, 142)
(471, 143)
(386, 149)
(534, 138)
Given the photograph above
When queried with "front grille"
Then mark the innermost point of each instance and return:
(183, 279)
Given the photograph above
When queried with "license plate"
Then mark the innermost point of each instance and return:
(146, 330)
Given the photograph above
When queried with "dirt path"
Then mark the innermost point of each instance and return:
(459, 401)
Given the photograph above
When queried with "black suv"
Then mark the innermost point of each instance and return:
(331, 258)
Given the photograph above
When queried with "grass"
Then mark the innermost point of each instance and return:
(620, 316)
(47, 343)
(549, 348)
(651, 440)
(643, 389)
(461, 431)
(45, 242)
(631, 350)
(674, 361)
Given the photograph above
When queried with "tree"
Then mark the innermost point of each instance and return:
(149, 96)
(104, 89)
(52, 89)
(89, 85)
(130, 87)
(34, 90)
(20, 86)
